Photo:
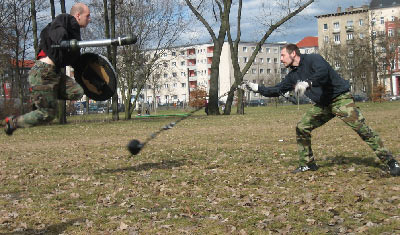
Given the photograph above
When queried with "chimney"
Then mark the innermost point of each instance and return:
(339, 9)
(351, 8)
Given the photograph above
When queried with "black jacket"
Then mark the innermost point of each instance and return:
(63, 27)
(326, 83)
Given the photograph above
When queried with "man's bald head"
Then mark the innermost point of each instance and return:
(81, 13)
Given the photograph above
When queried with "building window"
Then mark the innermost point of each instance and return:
(261, 71)
(336, 26)
(349, 23)
(183, 85)
(361, 22)
(349, 36)
(390, 32)
(253, 71)
(361, 35)
(325, 26)
(175, 85)
(276, 50)
(166, 86)
(183, 63)
(275, 60)
(261, 60)
(174, 74)
(382, 20)
(244, 49)
(337, 65)
(174, 64)
(393, 18)
(268, 50)
(173, 53)
(268, 60)
(326, 38)
(253, 48)
(244, 59)
(268, 71)
(183, 74)
(165, 75)
(336, 38)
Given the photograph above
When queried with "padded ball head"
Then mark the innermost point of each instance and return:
(134, 147)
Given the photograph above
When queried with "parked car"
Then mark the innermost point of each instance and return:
(394, 98)
(360, 98)
(255, 103)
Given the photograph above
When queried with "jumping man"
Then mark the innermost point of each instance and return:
(45, 76)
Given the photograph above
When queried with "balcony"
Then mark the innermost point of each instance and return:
(349, 28)
(191, 56)
(336, 30)
(193, 78)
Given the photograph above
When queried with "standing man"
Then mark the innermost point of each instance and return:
(312, 76)
(45, 76)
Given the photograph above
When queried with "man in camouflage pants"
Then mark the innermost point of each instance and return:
(45, 78)
(312, 76)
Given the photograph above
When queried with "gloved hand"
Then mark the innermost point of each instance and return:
(249, 86)
(300, 88)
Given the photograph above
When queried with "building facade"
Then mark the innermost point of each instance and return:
(181, 70)
(343, 39)
(362, 44)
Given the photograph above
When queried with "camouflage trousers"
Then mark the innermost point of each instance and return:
(47, 86)
(344, 108)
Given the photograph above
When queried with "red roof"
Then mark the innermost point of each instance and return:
(308, 42)
(27, 63)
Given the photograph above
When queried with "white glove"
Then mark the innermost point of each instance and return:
(300, 88)
(249, 86)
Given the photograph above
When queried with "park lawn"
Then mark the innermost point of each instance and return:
(207, 175)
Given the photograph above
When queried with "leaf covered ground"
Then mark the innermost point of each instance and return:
(207, 175)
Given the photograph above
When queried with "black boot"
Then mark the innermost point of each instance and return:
(309, 167)
(11, 125)
(394, 167)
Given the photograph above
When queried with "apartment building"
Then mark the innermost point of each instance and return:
(385, 27)
(183, 69)
(346, 37)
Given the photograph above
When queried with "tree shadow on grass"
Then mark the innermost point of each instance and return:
(52, 229)
(342, 160)
(146, 166)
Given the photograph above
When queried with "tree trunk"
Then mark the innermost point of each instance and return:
(62, 105)
(107, 35)
(115, 115)
(52, 9)
(62, 3)
(34, 27)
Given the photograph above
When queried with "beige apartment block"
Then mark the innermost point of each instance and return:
(183, 69)
(346, 29)
(343, 27)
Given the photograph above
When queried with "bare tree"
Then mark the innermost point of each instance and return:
(158, 24)
(221, 10)
(20, 24)
(291, 10)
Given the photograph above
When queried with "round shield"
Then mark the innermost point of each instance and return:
(97, 76)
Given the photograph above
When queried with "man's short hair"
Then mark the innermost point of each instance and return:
(77, 8)
(291, 47)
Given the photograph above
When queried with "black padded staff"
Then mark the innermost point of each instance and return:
(135, 145)
(75, 44)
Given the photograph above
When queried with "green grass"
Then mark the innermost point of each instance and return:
(207, 175)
